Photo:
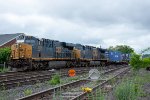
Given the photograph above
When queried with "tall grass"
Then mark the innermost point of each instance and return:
(127, 91)
(131, 88)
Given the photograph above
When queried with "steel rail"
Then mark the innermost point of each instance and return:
(83, 96)
(49, 92)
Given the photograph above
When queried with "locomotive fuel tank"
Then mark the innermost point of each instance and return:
(57, 64)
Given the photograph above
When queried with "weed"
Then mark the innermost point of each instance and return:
(27, 92)
(37, 85)
(112, 81)
(55, 80)
(126, 91)
(99, 95)
(129, 89)
(73, 78)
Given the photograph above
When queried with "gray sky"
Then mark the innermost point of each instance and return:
(95, 22)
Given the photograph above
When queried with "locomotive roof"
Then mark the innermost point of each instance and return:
(5, 38)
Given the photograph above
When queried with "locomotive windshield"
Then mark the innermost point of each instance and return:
(21, 38)
(30, 40)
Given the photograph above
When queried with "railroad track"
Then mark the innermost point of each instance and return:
(16, 79)
(10, 80)
(72, 91)
(22, 79)
(85, 96)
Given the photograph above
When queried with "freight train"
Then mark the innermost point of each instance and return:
(31, 53)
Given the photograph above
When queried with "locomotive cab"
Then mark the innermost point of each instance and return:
(21, 51)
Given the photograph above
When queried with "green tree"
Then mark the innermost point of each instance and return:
(122, 48)
(146, 58)
(4, 54)
(145, 62)
(135, 61)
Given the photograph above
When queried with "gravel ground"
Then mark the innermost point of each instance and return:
(18, 92)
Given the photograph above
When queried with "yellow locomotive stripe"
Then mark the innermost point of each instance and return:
(51, 58)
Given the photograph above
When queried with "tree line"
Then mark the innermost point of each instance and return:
(122, 48)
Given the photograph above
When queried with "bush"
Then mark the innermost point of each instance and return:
(135, 61)
(145, 62)
(55, 80)
(4, 54)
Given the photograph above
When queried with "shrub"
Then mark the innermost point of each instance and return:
(4, 54)
(145, 62)
(55, 80)
(135, 61)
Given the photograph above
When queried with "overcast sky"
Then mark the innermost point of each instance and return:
(95, 22)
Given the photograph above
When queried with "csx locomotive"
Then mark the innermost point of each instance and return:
(31, 53)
